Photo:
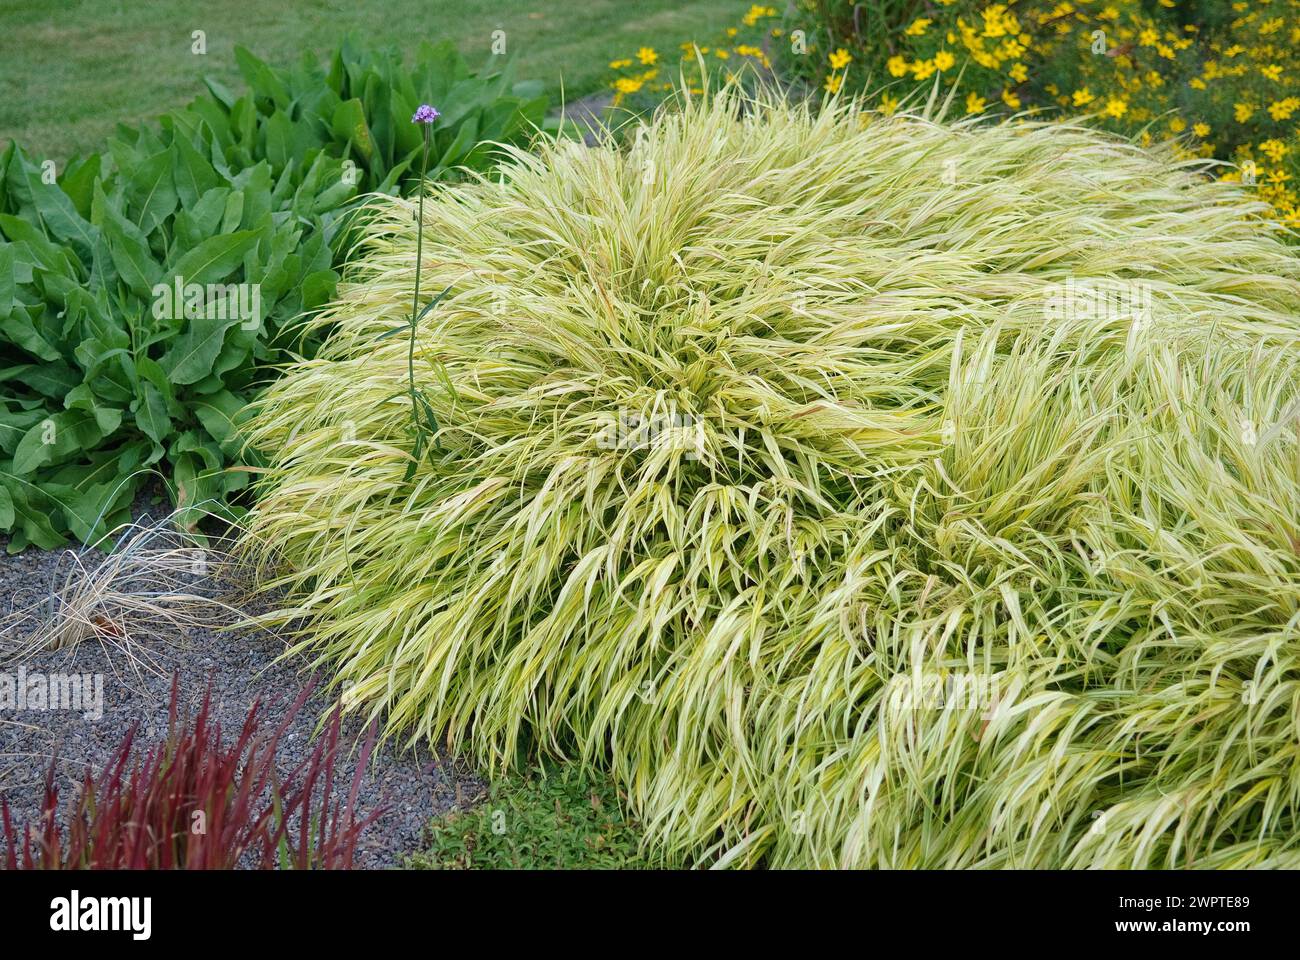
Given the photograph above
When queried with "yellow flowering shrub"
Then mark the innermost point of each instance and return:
(1219, 77)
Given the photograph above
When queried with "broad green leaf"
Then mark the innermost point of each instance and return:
(193, 174)
(191, 357)
(47, 255)
(7, 283)
(128, 247)
(152, 192)
(263, 81)
(35, 510)
(14, 425)
(466, 136)
(215, 258)
(60, 216)
(18, 328)
(279, 140)
(49, 379)
(83, 398)
(350, 124)
(220, 91)
(195, 224)
(219, 412)
(151, 414)
(79, 179)
(55, 438)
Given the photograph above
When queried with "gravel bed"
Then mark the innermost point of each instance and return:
(413, 784)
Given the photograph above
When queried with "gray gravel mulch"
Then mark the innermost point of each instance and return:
(415, 784)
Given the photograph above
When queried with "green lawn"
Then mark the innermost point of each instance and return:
(71, 70)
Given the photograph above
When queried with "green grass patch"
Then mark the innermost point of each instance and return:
(552, 817)
(73, 70)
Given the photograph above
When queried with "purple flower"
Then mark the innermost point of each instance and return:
(425, 114)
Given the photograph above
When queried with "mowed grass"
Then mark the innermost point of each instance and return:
(70, 71)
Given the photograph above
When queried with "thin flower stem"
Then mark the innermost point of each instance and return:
(419, 264)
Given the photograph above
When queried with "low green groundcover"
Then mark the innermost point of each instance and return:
(548, 818)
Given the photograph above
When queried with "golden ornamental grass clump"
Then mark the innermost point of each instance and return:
(878, 494)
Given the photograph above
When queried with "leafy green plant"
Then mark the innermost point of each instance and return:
(550, 817)
(147, 291)
(857, 491)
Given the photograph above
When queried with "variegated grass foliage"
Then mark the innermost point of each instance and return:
(911, 469)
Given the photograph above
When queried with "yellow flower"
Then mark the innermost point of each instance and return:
(619, 64)
(888, 104)
(1082, 97)
(1272, 71)
(1116, 107)
(647, 55)
(918, 27)
(1202, 130)
(1275, 150)
(1010, 99)
(722, 54)
(897, 66)
(943, 60)
(1281, 110)
(1019, 73)
(997, 23)
(627, 84)
(974, 103)
(1148, 37)
(1177, 125)
(923, 69)
(1196, 83)
(834, 82)
(1241, 112)
(840, 59)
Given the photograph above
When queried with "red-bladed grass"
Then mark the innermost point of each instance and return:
(191, 802)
